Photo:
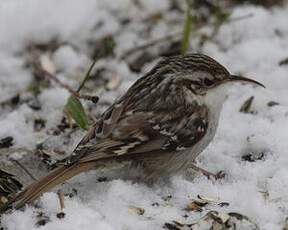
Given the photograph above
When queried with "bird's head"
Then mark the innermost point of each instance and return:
(201, 73)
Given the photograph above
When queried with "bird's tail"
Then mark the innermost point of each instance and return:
(44, 184)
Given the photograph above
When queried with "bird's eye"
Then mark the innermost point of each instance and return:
(208, 82)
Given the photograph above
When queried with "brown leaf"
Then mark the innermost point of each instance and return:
(193, 206)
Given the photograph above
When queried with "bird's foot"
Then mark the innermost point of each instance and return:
(219, 175)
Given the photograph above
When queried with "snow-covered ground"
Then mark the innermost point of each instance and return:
(253, 47)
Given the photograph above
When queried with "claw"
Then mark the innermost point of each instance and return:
(219, 175)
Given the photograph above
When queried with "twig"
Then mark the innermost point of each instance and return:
(87, 75)
(52, 77)
(175, 35)
(55, 79)
(25, 169)
(61, 214)
(151, 43)
(61, 199)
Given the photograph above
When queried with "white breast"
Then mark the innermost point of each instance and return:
(214, 100)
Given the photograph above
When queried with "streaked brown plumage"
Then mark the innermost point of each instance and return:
(160, 124)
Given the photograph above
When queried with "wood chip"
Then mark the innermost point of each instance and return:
(204, 199)
(114, 82)
(193, 206)
(137, 210)
(47, 63)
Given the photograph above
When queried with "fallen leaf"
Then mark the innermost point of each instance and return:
(193, 206)
(221, 218)
(217, 221)
(204, 199)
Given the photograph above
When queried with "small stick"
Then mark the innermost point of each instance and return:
(174, 36)
(61, 199)
(39, 69)
(55, 79)
(52, 77)
(150, 43)
(61, 214)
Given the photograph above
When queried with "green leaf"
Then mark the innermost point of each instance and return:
(77, 112)
(74, 106)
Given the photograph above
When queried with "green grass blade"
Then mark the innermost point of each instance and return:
(186, 28)
(87, 75)
(77, 112)
(74, 106)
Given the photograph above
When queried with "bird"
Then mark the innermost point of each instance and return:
(160, 125)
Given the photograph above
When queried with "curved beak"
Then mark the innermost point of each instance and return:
(244, 79)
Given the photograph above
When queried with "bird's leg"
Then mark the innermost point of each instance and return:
(206, 173)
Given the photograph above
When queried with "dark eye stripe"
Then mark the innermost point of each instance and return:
(208, 82)
(196, 83)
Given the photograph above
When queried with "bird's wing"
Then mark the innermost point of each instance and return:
(130, 128)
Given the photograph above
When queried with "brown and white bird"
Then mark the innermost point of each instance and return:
(160, 125)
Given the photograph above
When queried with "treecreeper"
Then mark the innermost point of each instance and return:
(160, 125)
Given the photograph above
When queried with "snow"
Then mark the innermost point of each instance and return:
(16, 124)
(68, 60)
(252, 46)
(55, 98)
